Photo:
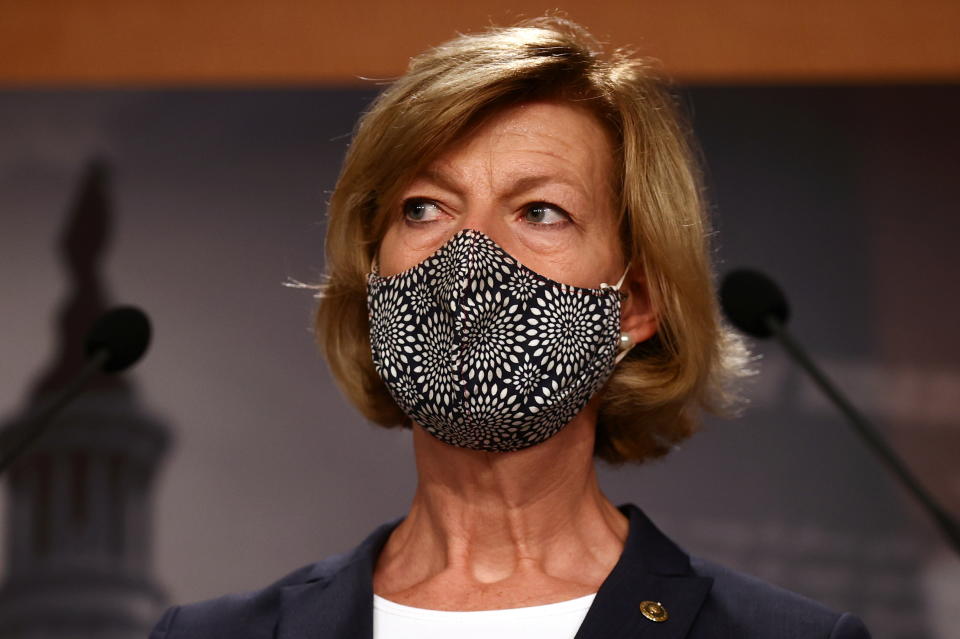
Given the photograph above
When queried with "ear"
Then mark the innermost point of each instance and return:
(638, 318)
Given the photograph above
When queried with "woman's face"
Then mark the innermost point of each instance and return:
(536, 178)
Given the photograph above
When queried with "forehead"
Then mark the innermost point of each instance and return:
(554, 136)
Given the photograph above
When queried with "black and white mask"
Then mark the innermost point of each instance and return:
(484, 353)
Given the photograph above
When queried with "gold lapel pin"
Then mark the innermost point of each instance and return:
(654, 611)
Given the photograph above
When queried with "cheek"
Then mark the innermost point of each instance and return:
(551, 254)
(582, 258)
(388, 255)
(601, 261)
(403, 247)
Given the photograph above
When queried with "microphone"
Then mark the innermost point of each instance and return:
(123, 333)
(748, 298)
(755, 304)
(117, 340)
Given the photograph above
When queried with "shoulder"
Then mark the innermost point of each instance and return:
(719, 603)
(248, 614)
(745, 607)
(259, 613)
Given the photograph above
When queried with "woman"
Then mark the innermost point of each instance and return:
(517, 270)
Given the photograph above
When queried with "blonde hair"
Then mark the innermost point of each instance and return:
(650, 402)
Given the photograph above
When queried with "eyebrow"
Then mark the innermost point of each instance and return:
(443, 179)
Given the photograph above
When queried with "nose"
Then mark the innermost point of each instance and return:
(486, 218)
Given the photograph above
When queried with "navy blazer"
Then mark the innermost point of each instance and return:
(333, 599)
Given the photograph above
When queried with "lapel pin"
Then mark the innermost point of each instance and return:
(654, 611)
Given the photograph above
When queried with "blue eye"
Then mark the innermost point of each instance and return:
(545, 214)
(420, 210)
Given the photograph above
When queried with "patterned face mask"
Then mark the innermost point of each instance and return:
(484, 353)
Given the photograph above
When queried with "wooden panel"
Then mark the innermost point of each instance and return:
(295, 42)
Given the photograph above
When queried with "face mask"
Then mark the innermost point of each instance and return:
(484, 353)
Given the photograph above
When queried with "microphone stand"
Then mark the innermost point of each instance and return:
(869, 434)
(24, 436)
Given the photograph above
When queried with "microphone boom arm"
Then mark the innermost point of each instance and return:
(22, 437)
(866, 431)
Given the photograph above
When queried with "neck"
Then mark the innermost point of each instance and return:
(491, 518)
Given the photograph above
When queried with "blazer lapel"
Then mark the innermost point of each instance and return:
(652, 568)
(336, 600)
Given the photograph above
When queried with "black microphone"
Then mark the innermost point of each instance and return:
(748, 298)
(755, 304)
(117, 340)
(124, 333)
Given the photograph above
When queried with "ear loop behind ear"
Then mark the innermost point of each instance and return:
(626, 342)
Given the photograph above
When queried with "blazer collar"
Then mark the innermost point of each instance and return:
(335, 601)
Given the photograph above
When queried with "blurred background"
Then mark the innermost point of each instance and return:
(179, 156)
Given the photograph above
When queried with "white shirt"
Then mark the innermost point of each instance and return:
(552, 621)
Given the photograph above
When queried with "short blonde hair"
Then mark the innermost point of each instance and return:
(650, 402)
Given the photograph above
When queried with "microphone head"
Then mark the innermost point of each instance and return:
(124, 332)
(748, 298)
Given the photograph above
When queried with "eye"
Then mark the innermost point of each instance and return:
(420, 210)
(544, 214)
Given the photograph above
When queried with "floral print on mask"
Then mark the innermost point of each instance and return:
(483, 352)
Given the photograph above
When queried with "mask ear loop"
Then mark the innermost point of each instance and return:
(626, 342)
(619, 283)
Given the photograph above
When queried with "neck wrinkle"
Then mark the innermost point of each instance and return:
(493, 516)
